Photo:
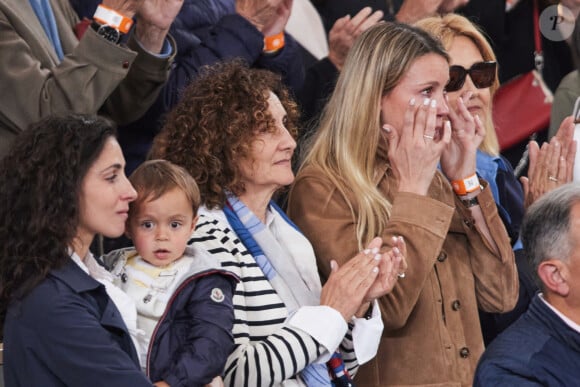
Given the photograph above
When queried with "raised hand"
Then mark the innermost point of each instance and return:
(154, 17)
(344, 32)
(458, 159)
(551, 165)
(415, 150)
(413, 10)
(451, 5)
(268, 16)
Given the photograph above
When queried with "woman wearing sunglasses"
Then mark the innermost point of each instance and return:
(373, 170)
(472, 76)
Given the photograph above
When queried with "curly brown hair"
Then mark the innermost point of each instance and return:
(41, 183)
(215, 122)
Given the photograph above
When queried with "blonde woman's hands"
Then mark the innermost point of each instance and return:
(348, 284)
(458, 159)
(415, 150)
(392, 266)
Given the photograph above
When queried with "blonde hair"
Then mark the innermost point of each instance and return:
(347, 140)
(446, 29)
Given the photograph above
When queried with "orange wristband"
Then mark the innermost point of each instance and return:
(107, 16)
(273, 43)
(465, 186)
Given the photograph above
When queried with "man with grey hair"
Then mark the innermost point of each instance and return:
(543, 346)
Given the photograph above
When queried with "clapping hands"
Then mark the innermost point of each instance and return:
(368, 275)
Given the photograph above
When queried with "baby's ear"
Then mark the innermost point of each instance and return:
(194, 222)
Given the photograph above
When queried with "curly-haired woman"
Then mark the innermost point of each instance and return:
(234, 132)
(62, 183)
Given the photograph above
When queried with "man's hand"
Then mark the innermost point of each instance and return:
(154, 17)
(268, 16)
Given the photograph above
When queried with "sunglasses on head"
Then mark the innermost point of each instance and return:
(482, 75)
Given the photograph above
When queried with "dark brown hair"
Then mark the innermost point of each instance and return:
(40, 190)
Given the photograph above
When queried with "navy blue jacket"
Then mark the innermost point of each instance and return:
(539, 349)
(206, 32)
(68, 332)
(194, 330)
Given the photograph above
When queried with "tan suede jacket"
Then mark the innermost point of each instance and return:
(432, 334)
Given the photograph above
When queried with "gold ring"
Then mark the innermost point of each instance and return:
(552, 178)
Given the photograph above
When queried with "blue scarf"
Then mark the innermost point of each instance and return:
(46, 18)
(249, 228)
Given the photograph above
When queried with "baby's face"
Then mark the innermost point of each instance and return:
(160, 228)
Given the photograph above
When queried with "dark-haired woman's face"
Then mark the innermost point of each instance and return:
(105, 195)
(269, 165)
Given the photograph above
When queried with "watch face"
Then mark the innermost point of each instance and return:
(109, 33)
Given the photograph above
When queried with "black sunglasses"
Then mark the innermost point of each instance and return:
(482, 75)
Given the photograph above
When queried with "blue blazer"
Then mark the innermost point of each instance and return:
(68, 332)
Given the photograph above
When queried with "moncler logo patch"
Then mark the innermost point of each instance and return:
(217, 295)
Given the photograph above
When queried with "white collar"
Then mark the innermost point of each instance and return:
(568, 322)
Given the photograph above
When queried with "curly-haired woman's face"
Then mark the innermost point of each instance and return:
(269, 164)
(105, 195)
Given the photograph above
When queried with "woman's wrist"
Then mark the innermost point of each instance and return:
(365, 310)
(466, 184)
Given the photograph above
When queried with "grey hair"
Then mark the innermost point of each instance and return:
(545, 231)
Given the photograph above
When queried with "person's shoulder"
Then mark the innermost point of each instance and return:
(310, 171)
(312, 179)
(201, 262)
(570, 82)
(511, 355)
(215, 237)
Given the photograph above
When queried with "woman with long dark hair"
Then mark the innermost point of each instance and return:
(63, 322)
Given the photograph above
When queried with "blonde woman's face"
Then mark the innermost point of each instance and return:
(464, 53)
(425, 79)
